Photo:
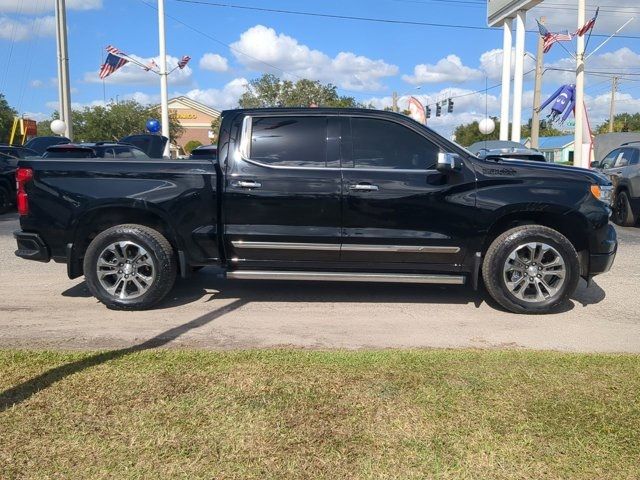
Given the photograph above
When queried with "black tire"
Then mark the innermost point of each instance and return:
(163, 271)
(503, 246)
(5, 199)
(622, 212)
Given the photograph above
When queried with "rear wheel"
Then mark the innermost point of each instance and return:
(622, 212)
(531, 269)
(130, 267)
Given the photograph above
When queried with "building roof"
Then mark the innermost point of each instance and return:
(190, 103)
(555, 143)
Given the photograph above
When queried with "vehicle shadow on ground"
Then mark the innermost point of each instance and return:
(208, 284)
(23, 391)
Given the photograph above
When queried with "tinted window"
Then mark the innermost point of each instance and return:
(139, 154)
(383, 144)
(635, 158)
(610, 159)
(290, 141)
(626, 157)
(68, 154)
(123, 152)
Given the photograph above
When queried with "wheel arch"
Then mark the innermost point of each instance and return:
(100, 218)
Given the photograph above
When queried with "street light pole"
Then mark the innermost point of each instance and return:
(578, 159)
(164, 98)
(507, 40)
(64, 89)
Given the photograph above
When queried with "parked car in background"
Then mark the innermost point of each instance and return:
(622, 165)
(107, 150)
(321, 194)
(512, 153)
(205, 151)
(9, 156)
(40, 144)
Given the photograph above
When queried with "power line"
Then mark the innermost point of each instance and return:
(363, 19)
(234, 49)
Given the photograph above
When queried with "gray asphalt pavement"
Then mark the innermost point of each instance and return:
(41, 308)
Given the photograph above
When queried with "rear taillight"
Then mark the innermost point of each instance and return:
(23, 176)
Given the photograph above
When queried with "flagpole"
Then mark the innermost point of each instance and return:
(164, 98)
(578, 159)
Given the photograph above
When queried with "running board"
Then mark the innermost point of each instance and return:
(346, 277)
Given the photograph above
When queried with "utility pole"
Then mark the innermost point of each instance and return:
(518, 77)
(578, 159)
(537, 90)
(64, 88)
(164, 98)
(612, 107)
(395, 102)
(507, 40)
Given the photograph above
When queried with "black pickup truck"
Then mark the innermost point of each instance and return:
(320, 194)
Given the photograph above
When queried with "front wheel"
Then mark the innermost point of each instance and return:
(531, 269)
(622, 212)
(130, 267)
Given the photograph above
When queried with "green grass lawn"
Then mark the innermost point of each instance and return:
(281, 414)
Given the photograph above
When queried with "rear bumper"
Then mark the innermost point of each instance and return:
(602, 256)
(31, 247)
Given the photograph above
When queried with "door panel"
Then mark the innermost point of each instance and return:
(283, 203)
(393, 213)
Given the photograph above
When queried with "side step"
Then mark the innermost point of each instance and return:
(347, 277)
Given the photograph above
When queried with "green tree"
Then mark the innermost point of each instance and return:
(7, 114)
(215, 128)
(191, 145)
(624, 122)
(271, 91)
(469, 133)
(111, 122)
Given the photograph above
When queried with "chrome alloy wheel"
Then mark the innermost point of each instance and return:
(534, 272)
(125, 270)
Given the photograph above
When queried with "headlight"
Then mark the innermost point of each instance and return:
(602, 193)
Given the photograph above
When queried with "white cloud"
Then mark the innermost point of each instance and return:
(36, 7)
(491, 63)
(37, 116)
(19, 30)
(262, 45)
(220, 99)
(610, 18)
(132, 74)
(143, 98)
(447, 70)
(53, 105)
(36, 83)
(214, 62)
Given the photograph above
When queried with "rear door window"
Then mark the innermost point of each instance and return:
(389, 145)
(291, 141)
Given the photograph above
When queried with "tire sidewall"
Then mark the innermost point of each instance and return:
(564, 248)
(627, 218)
(138, 237)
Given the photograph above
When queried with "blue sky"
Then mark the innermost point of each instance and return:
(365, 59)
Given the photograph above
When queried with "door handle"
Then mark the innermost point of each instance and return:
(247, 184)
(364, 187)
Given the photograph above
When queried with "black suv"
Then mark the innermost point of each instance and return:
(106, 150)
(622, 165)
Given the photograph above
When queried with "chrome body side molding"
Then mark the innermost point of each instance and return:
(285, 245)
(348, 247)
(347, 277)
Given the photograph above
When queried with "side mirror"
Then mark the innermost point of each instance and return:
(596, 164)
(448, 162)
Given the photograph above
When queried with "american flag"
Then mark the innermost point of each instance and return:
(112, 63)
(551, 38)
(152, 64)
(183, 62)
(589, 25)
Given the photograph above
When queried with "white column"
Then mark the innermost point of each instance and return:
(164, 98)
(63, 68)
(579, 159)
(506, 79)
(518, 77)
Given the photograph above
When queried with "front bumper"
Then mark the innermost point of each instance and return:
(31, 247)
(604, 252)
